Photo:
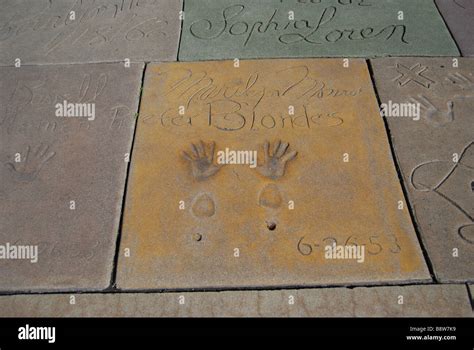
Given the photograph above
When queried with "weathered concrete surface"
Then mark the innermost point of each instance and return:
(62, 178)
(216, 29)
(459, 16)
(43, 31)
(436, 154)
(417, 301)
(191, 222)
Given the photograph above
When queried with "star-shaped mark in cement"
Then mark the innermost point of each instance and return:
(413, 74)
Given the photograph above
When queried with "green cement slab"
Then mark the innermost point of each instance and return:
(227, 29)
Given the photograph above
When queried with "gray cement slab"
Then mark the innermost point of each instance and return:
(62, 172)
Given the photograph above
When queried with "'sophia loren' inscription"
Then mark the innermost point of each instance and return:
(279, 28)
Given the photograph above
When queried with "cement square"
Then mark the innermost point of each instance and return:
(325, 175)
(459, 16)
(418, 301)
(435, 151)
(228, 29)
(88, 31)
(62, 178)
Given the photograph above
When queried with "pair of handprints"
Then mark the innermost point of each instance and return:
(273, 167)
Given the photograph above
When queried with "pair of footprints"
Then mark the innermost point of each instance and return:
(270, 197)
(201, 159)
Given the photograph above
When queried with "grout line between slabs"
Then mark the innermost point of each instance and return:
(469, 294)
(180, 32)
(401, 180)
(113, 278)
(448, 29)
(210, 59)
(412, 283)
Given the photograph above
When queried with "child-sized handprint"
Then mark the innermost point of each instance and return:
(27, 169)
(465, 4)
(461, 81)
(432, 113)
(275, 163)
(202, 161)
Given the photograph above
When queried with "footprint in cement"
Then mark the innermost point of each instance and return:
(203, 206)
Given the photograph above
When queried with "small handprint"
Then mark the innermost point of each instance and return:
(461, 81)
(202, 165)
(29, 167)
(432, 113)
(274, 164)
(465, 4)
